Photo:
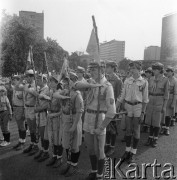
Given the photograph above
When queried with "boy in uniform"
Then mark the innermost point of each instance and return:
(18, 113)
(5, 116)
(42, 110)
(111, 130)
(158, 98)
(95, 129)
(135, 96)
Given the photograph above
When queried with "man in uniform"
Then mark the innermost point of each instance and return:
(72, 110)
(171, 104)
(54, 126)
(5, 116)
(95, 124)
(30, 103)
(18, 112)
(111, 130)
(158, 98)
(41, 109)
(135, 96)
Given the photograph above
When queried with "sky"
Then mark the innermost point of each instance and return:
(137, 22)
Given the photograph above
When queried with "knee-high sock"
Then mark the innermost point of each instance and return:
(60, 150)
(94, 162)
(167, 121)
(75, 157)
(55, 150)
(156, 131)
(113, 139)
(135, 143)
(100, 166)
(23, 134)
(151, 132)
(108, 138)
(128, 140)
(46, 144)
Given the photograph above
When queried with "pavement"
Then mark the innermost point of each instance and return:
(14, 165)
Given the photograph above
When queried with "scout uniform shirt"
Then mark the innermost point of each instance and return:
(107, 106)
(135, 90)
(54, 124)
(43, 104)
(5, 104)
(158, 92)
(172, 95)
(116, 83)
(70, 107)
(17, 98)
(30, 99)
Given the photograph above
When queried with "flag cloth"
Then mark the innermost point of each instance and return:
(64, 70)
(92, 47)
(29, 61)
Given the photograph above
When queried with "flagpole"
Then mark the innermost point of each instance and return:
(99, 78)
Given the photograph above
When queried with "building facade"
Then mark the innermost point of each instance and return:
(152, 53)
(169, 37)
(35, 19)
(113, 50)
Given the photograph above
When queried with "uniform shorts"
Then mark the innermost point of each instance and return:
(29, 113)
(133, 110)
(89, 122)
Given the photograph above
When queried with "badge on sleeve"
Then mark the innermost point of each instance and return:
(111, 101)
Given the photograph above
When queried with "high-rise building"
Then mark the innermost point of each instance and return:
(152, 53)
(113, 50)
(35, 19)
(169, 37)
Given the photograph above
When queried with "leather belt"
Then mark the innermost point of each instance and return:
(68, 113)
(28, 105)
(133, 103)
(53, 111)
(95, 111)
(158, 94)
(3, 111)
(17, 106)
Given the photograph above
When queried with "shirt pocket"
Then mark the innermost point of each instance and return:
(160, 87)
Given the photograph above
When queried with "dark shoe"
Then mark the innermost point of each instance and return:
(34, 150)
(52, 161)
(131, 158)
(43, 157)
(149, 142)
(154, 143)
(64, 169)
(162, 131)
(172, 123)
(125, 156)
(39, 154)
(167, 132)
(99, 178)
(58, 163)
(110, 152)
(91, 176)
(106, 148)
(28, 149)
(71, 171)
(123, 140)
(17, 145)
(20, 147)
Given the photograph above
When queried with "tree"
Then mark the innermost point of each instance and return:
(18, 35)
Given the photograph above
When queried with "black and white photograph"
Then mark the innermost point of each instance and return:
(88, 89)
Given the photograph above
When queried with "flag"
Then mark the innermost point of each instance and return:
(29, 61)
(92, 47)
(64, 70)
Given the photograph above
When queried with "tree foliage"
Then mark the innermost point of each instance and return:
(17, 35)
(75, 60)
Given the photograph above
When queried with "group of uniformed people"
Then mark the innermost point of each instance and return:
(60, 113)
